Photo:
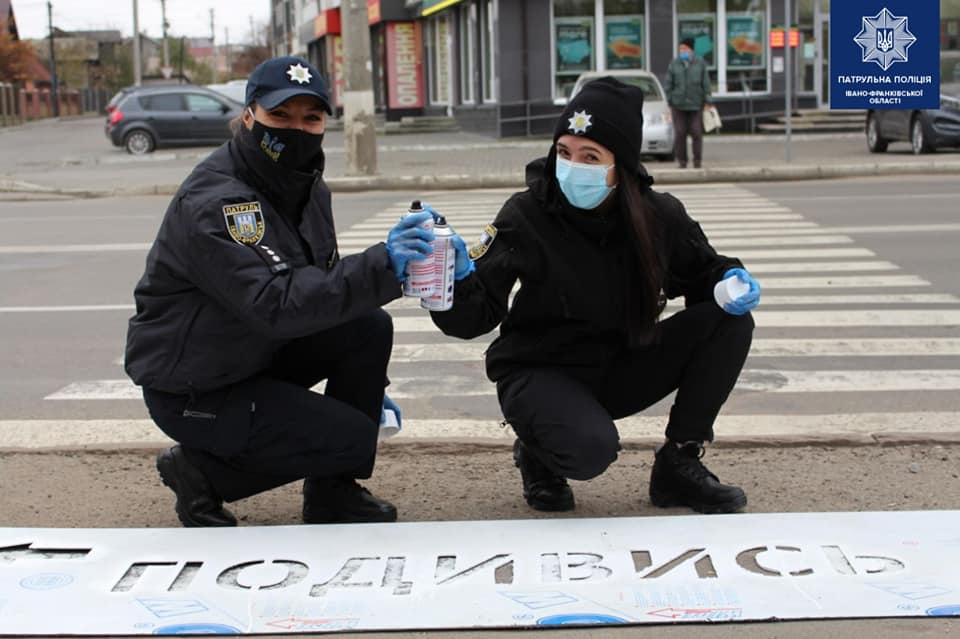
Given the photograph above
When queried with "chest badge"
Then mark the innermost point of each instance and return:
(245, 222)
(480, 249)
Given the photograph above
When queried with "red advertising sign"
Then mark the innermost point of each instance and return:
(404, 65)
(373, 11)
(338, 79)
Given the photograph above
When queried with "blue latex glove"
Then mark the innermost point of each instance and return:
(749, 300)
(465, 265)
(432, 211)
(391, 405)
(407, 241)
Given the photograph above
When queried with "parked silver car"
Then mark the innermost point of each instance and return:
(925, 129)
(657, 125)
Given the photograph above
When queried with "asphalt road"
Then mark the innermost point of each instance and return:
(70, 265)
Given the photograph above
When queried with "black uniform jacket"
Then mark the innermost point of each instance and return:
(230, 279)
(574, 268)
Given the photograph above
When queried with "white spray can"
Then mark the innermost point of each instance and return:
(419, 274)
(444, 264)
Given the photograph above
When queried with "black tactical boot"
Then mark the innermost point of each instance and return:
(341, 500)
(679, 478)
(197, 504)
(542, 489)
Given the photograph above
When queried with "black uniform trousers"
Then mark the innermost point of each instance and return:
(565, 415)
(272, 429)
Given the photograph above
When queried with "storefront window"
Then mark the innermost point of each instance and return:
(468, 29)
(746, 38)
(624, 34)
(731, 37)
(573, 42)
(439, 59)
(488, 57)
(949, 41)
(596, 34)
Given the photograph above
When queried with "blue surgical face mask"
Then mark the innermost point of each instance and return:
(684, 55)
(584, 185)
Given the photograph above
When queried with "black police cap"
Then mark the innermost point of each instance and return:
(277, 80)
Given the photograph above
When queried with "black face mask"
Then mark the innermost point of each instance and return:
(289, 148)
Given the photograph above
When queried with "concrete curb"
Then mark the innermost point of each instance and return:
(450, 445)
(469, 181)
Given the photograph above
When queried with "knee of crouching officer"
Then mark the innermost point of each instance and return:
(592, 456)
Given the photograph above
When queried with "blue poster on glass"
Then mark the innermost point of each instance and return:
(885, 54)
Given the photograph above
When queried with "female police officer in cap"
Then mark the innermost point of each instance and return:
(245, 305)
(597, 253)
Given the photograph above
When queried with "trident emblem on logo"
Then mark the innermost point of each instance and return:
(884, 39)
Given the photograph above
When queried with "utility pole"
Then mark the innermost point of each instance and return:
(137, 70)
(788, 73)
(166, 25)
(54, 98)
(253, 32)
(360, 135)
(213, 51)
(226, 51)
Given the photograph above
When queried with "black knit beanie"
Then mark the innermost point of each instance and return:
(609, 112)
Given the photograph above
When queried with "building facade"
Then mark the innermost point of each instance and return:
(506, 67)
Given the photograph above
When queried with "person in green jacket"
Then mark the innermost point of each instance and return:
(688, 94)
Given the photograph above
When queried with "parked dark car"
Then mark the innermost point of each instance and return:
(926, 129)
(151, 117)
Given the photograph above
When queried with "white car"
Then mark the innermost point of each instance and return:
(236, 90)
(657, 125)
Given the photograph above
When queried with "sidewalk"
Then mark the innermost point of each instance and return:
(72, 157)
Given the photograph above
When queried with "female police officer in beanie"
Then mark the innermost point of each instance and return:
(246, 304)
(597, 253)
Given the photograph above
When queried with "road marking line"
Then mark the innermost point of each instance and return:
(73, 248)
(36, 434)
(820, 267)
(407, 353)
(775, 319)
(751, 380)
(806, 253)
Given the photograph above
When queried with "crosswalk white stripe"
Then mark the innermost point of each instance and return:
(754, 380)
(762, 347)
(355, 245)
(746, 223)
(792, 319)
(893, 299)
(804, 253)
(73, 248)
(38, 434)
(844, 281)
(760, 268)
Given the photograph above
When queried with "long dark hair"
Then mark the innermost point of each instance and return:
(646, 277)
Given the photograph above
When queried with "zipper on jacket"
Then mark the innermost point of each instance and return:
(199, 414)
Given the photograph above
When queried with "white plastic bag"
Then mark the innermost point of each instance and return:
(711, 119)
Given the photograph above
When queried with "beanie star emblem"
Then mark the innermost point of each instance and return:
(299, 73)
(580, 122)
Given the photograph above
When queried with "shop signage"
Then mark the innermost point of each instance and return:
(702, 27)
(432, 6)
(327, 22)
(745, 46)
(885, 54)
(479, 574)
(373, 11)
(404, 65)
(574, 41)
(624, 42)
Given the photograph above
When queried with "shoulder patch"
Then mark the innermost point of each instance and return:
(245, 222)
(479, 249)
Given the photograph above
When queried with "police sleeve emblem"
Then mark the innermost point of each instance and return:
(479, 249)
(245, 222)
